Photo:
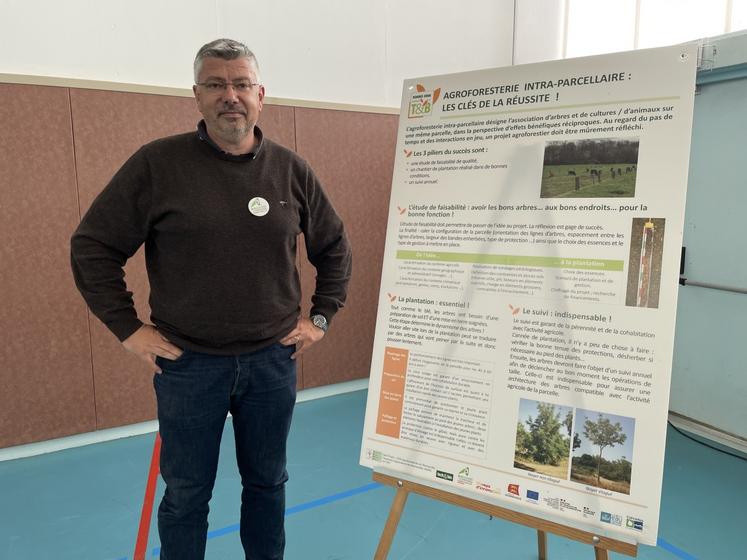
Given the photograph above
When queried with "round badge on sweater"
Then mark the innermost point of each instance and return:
(259, 206)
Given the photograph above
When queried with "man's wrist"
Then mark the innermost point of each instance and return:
(320, 322)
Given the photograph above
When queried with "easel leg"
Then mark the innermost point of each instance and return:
(601, 553)
(387, 536)
(541, 545)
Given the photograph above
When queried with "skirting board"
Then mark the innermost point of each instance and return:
(708, 432)
(79, 440)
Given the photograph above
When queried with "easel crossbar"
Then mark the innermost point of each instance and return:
(542, 525)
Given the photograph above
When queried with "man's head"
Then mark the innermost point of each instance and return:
(228, 91)
(225, 49)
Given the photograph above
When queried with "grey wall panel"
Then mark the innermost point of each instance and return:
(709, 377)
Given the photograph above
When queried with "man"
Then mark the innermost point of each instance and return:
(219, 212)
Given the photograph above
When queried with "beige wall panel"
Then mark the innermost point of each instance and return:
(46, 387)
(109, 127)
(277, 124)
(353, 155)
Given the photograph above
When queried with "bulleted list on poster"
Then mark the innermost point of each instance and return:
(524, 339)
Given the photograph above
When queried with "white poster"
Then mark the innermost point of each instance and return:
(524, 339)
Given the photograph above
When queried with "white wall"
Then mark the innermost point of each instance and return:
(105, 40)
(539, 30)
(552, 29)
(345, 51)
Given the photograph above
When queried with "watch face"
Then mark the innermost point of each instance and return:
(320, 322)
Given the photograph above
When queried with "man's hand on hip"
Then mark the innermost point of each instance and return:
(303, 336)
(147, 343)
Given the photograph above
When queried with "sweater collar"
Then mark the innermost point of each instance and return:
(202, 134)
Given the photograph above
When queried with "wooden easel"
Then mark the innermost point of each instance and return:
(602, 545)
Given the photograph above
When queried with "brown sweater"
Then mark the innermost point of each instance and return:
(223, 279)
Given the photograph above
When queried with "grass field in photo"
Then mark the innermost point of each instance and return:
(558, 471)
(559, 181)
(589, 477)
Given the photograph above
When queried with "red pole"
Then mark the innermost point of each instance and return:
(141, 544)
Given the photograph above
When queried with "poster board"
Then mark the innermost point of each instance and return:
(529, 286)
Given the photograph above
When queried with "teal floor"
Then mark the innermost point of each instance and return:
(84, 503)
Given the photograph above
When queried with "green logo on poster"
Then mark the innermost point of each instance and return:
(421, 103)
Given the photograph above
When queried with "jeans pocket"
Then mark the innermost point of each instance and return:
(166, 362)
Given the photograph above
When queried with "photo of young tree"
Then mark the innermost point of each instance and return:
(603, 450)
(543, 438)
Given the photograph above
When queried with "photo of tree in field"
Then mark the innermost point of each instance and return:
(543, 438)
(590, 168)
(603, 450)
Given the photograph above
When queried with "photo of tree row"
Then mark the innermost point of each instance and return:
(584, 446)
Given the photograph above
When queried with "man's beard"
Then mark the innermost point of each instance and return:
(233, 131)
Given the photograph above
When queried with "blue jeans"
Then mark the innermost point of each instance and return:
(194, 393)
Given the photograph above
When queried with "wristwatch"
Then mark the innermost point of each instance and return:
(320, 321)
